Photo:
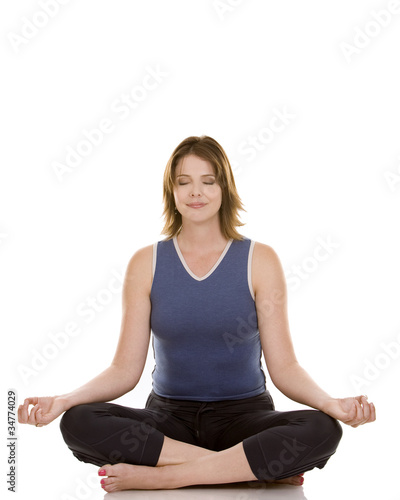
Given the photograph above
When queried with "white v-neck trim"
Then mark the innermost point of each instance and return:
(182, 259)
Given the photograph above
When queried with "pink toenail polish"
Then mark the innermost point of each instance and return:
(102, 472)
(102, 481)
(301, 481)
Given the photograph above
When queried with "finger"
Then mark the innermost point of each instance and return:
(352, 415)
(372, 417)
(33, 415)
(31, 401)
(366, 410)
(23, 411)
(358, 416)
(38, 416)
(21, 415)
(20, 419)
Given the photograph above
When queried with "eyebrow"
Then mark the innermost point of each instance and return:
(204, 175)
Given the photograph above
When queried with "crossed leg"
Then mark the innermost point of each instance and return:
(182, 464)
(274, 454)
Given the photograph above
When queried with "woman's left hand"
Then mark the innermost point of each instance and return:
(351, 411)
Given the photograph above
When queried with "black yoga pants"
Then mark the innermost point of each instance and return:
(277, 444)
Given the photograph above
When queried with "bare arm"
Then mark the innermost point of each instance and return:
(127, 366)
(130, 357)
(285, 371)
(271, 303)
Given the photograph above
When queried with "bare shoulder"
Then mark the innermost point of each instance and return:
(139, 268)
(267, 269)
(265, 257)
(142, 258)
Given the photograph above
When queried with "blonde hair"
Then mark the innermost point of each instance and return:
(208, 149)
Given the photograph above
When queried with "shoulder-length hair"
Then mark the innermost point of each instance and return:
(208, 149)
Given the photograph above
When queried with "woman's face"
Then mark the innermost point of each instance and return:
(198, 197)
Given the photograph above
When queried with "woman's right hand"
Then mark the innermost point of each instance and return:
(44, 410)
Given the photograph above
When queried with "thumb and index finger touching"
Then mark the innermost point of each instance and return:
(362, 411)
(26, 417)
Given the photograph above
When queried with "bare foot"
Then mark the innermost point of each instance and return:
(295, 480)
(140, 477)
(131, 477)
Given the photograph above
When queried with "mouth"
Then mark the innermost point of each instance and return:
(196, 205)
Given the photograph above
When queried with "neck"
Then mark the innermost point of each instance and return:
(201, 236)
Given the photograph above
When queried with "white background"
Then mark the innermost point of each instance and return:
(328, 175)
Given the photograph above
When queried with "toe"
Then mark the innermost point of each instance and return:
(109, 484)
(106, 470)
(297, 480)
(294, 480)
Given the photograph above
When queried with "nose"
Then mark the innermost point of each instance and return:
(196, 191)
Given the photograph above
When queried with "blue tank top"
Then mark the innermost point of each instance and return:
(205, 333)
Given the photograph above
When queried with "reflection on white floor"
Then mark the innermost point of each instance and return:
(237, 491)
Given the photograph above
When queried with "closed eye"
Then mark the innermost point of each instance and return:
(208, 183)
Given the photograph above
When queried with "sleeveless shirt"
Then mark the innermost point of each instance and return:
(205, 334)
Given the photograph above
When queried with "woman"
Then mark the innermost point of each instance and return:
(214, 300)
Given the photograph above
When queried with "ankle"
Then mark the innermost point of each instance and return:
(169, 477)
